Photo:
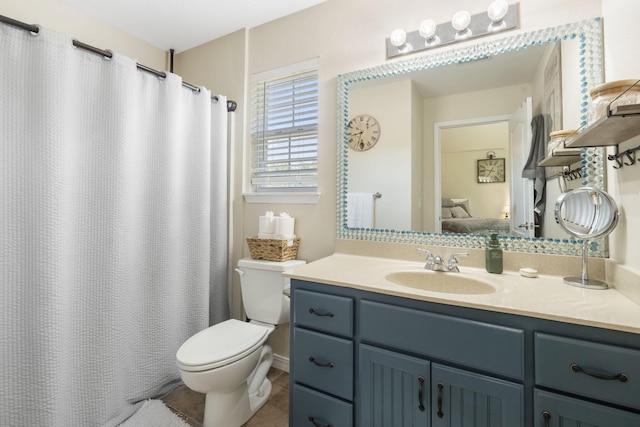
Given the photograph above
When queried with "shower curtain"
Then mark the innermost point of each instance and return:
(105, 238)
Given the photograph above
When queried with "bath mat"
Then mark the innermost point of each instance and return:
(154, 413)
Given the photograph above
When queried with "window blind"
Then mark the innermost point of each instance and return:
(284, 132)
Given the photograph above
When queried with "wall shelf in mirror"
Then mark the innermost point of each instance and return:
(562, 157)
(622, 124)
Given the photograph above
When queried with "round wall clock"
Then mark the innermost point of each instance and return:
(363, 132)
(490, 170)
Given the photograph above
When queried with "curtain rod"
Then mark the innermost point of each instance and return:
(231, 105)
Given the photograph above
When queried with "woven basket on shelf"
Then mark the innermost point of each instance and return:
(272, 249)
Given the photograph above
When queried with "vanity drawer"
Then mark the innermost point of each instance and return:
(484, 346)
(567, 411)
(311, 407)
(323, 312)
(574, 366)
(323, 362)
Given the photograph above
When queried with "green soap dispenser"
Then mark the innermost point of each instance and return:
(493, 255)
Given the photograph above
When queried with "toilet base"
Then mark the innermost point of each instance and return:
(234, 408)
(257, 400)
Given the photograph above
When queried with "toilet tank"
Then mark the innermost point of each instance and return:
(263, 288)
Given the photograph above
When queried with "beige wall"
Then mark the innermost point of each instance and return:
(55, 15)
(370, 171)
(623, 62)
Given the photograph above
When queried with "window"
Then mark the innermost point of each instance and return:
(284, 129)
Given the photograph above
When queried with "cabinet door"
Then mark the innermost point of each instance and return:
(553, 410)
(393, 389)
(465, 399)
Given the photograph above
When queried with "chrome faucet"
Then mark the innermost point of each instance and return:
(436, 262)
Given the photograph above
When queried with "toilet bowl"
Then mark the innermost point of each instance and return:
(229, 361)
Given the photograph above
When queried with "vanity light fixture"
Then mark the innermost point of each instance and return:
(500, 16)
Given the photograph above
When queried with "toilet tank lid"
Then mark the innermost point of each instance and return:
(270, 265)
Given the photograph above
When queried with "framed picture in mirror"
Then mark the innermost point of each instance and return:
(490, 170)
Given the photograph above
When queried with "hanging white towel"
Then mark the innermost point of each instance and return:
(360, 212)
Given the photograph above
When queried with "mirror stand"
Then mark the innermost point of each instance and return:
(586, 213)
(583, 281)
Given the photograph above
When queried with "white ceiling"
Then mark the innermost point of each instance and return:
(183, 24)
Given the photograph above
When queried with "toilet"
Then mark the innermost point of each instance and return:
(229, 361)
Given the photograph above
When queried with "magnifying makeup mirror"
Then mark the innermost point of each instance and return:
(586, 213)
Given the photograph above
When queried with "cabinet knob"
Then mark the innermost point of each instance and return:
(420, 394)
(440, 385)
(322, 365)
(619, 377)
(317, 313)
(317, 424)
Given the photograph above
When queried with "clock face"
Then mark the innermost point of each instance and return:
(490, 170)
(363, 132)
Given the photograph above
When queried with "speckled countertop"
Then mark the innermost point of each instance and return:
(545, 297)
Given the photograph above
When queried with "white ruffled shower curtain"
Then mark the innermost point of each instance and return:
(106, 224)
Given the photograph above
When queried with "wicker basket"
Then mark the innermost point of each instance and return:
(272, 249)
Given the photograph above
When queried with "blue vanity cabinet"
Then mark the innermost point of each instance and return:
(425, 364)
(322, 360)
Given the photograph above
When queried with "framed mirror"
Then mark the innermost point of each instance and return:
(398, 190)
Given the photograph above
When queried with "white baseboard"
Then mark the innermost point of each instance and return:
(280, 362)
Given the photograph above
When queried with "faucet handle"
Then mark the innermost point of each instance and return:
(425, 251)
(430, 258)
(452, 264)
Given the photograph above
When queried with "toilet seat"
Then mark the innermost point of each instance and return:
(221, 345)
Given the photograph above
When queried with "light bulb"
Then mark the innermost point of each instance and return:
(398, 38)
(461, 20)
(498, 10)
(427, 28)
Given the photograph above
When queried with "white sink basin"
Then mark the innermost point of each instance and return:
(450, 283)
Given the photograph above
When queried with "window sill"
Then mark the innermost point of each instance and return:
(300, 198)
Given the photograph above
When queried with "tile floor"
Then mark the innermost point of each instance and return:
(189, 405)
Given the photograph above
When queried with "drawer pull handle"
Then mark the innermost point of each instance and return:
(440, 390)
(318, 424)
(620, 377)
(322, 365)
(420, 397)
(317, 313)
(547, 417)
